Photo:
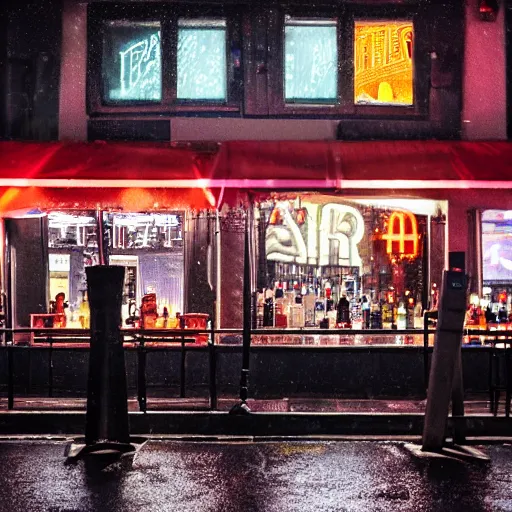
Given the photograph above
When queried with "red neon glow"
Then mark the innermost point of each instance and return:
(402, 231)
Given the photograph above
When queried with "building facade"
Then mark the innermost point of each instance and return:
(198, 76)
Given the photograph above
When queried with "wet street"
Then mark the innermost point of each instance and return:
(264, 476)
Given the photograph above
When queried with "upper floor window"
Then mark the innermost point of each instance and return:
(310, 60)
(346, 60)
(383, 63)
(163, 57)
(131, 65)
(202, 72)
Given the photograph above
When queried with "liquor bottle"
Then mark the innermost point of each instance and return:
(401, 317)
(268, 309)
(84, 313)
(343, 312)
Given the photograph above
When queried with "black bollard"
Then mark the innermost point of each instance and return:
(107, 397)
(107, 425)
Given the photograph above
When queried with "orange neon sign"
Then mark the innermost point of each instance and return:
(402, 236)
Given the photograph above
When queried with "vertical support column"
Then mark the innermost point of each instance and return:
(474, 252)
(231, 265)
(73, 72)
(437, 252)
(242, 407)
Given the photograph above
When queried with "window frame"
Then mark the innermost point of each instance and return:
(167, 15)
(347, 15)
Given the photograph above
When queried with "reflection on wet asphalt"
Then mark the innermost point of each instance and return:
(238, 477)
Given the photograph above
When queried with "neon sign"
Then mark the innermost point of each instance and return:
(402, 236)
(140, 71)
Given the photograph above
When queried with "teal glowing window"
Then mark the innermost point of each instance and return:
(202, 73)
(310, 61)
(131, 64)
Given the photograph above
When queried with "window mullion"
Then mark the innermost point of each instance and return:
(346, 61)
(169, 43)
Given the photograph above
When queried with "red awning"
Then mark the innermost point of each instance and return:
(109, 175)
(74, 164)
(259, 164)
(363, 165)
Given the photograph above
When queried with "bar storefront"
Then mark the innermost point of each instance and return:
(327, 252)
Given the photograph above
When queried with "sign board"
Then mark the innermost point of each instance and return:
(59, 263)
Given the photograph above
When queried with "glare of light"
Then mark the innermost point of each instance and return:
(7, 197)
(474, 299)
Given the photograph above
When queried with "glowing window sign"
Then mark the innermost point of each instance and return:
(402, 236)
(132, 61)
(383, 62)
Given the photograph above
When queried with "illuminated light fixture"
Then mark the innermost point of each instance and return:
(402, 235)
(488, 9)
(302, 214)
(275, 217)
(474, 299)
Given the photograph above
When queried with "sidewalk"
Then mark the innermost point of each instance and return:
(293, 417)
(479, 407)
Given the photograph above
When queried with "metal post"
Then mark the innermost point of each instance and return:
(10, 378)
(242, 407)
(459, 434)
(141, 376)
(447, 348)
(50, 368)
(182, 367)
(508, 376)
(425, 350)
(212, 361)
(491, 376)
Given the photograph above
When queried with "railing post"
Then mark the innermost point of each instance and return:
(50, 367)
(425, 349)
(212, 362)
(182, 367)
(10, 377)
(141, 376)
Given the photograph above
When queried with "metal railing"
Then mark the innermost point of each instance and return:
(149, 341)
(48, 339)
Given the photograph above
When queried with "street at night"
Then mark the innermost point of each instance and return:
(254, 476)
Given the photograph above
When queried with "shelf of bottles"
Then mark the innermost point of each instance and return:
(492, 311)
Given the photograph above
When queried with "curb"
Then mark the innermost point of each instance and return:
(256, 425)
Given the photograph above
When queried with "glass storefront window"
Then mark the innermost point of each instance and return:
(383, 63)
(202, 67)
(496, 300)
(131, 64)
(72, 246)
(150, 247)
(340, 264)
(310, 60)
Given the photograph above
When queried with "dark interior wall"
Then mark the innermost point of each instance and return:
(3, 72)
(199, 236)
(508, 26)
(28, 270)
(31, 35)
